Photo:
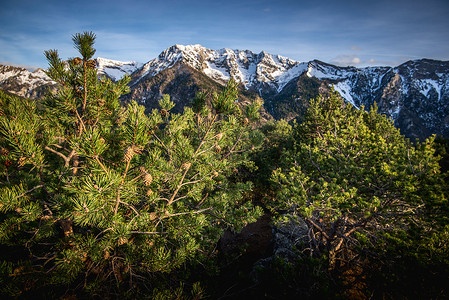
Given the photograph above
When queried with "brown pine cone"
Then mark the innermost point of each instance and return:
(77, 61)
(92, 64)
(147, 179)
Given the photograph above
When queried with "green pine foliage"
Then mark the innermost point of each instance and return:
(101, 196)
(365, 191)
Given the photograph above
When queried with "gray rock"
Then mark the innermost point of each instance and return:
(290, 232)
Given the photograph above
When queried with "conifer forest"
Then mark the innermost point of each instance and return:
(101, 199)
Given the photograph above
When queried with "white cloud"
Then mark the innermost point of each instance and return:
(356, 60)
(347, 60)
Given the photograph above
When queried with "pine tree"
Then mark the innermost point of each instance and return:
(357, 182)
(100, 195)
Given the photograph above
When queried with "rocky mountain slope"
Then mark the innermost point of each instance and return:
(261, 72)
(415, 94)
(34, 85)
(24, 83)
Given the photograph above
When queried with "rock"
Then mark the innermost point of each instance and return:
(289, 233)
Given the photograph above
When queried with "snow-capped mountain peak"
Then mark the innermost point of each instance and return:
(115, 69)
(24, 83)
(244, 66)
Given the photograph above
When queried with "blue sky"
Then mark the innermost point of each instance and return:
(344, 32)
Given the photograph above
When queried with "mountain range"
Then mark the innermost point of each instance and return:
(415, 95)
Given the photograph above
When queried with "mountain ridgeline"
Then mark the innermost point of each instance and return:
(415, 94)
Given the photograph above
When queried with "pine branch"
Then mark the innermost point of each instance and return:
(130, 206)
(202, 200)
(101, 165)
(233, 146)
(148, 233)
(30, 190)
(81, 125)
(189, 212)
(65, 158)
(180, 184)
(319, 229)
(120, 187)
(85, 83)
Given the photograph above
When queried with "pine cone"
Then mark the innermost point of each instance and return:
(164, 112)
(129, 153)
(92, 64)
(147, 179)
(149, 192)
(77, 61)
(217, 149)
(153, 216)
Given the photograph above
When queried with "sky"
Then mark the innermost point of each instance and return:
(342, 32)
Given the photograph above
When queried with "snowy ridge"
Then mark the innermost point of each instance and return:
(115, 69)
(421, 81)
(345, 90)
(24, 83)
(321, 71)
(244, 66)
(23, 76)
(425, 86)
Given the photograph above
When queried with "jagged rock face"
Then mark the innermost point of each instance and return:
(292, 101)
(181, 82)
(425, 98)
(414, 95)
(261, 72)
